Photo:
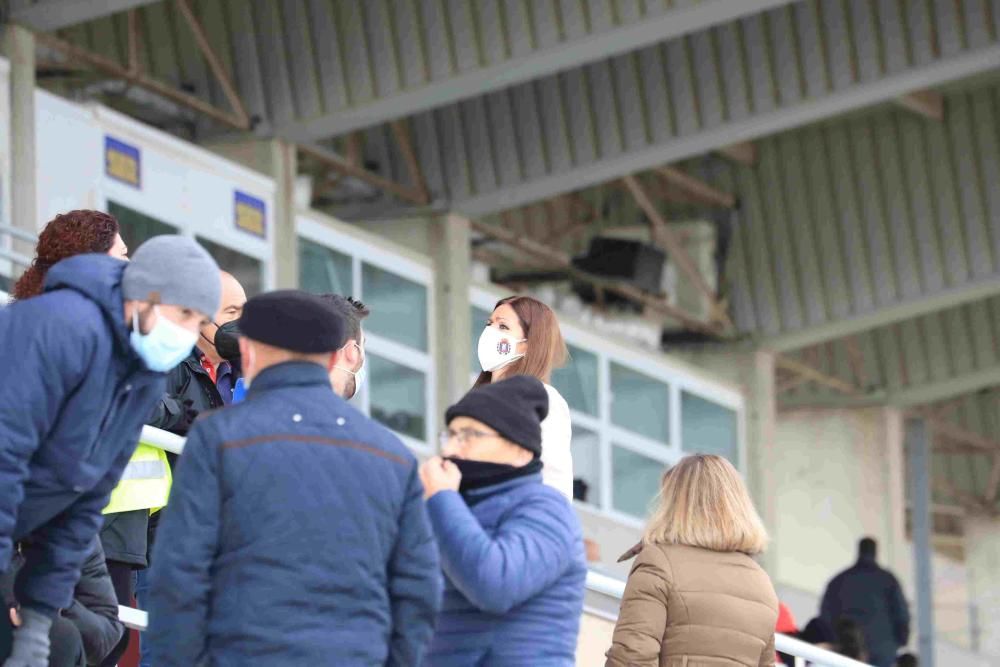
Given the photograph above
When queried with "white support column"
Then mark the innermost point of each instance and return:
(18, 46)
(448, 238)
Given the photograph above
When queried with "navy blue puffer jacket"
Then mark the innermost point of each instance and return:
(73, 398)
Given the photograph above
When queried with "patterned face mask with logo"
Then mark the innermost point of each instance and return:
(497, 349)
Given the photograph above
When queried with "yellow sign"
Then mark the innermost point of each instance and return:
(250, 214)
(122, 162)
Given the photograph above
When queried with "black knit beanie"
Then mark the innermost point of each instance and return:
(514, 407)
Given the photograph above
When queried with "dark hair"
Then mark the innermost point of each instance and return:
(850, 639)
(906, 660)
(68, 234)
(351, 310)
(867, 547)
(546, 347)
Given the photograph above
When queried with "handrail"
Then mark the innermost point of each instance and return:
(18, 233)
(165, 440)
(612, 587)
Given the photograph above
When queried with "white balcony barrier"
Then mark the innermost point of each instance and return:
(615, 588)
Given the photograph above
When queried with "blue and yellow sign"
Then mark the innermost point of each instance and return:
(250, 214)
(122, 162)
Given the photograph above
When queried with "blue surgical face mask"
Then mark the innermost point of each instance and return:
(166, 345)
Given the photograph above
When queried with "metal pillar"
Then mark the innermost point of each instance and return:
(448, 238)
(18, 45)
(919, 455)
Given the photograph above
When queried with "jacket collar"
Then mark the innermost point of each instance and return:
(290, 374)
(475, 496)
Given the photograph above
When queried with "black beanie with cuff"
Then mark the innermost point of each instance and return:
(514, 408)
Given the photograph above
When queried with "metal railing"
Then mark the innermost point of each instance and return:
(615, 588)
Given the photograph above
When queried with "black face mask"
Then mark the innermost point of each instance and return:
(480, 474)
(227, 341)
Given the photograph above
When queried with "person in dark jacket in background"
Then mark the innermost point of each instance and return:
(84, 364)
(295, 533)
(873, 598)
(202, 382)
(93, 613)
(511, 546)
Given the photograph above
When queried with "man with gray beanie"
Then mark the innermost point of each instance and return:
(82, 367)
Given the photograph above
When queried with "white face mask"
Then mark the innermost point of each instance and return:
(359, 375)
(166, 345)
(497, 349)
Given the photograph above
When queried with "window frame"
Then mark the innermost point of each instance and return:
(363, 248)
(677, 375)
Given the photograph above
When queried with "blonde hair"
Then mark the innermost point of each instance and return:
(704, 503)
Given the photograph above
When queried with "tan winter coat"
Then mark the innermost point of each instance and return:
(691, 607)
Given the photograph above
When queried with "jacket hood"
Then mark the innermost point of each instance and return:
(99, 278)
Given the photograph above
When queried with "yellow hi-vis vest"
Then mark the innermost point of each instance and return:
(145, 483)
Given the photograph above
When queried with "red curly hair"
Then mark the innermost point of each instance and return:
(68, 234)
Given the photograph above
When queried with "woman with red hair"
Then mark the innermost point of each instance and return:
(69, 234)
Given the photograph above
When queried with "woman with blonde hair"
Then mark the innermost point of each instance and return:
(695, 596)
(522, 337)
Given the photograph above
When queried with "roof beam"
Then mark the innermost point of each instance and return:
(401, 130)
(744, 153)
(927, 103)
(139, 78)
(813, 375)
(666, 238)
(697, 188)
(50, 15)
(932, 392)
(781, 119)
(566, 55)
(562, 260)
(347, 168)
(904, 310)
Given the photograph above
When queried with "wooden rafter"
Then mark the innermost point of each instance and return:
(339, 164)
(993, 486)
(810, 374)
(213, 60)
(667, 239)
(857, 361)
(134, 65)
(969, 501)
(955, 433)
(115, 69)
(927, 103)
(402, 133)
(697, 188)
(744, 153)
(561, 260)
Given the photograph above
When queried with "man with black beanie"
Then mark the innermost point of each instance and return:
(511, 547)
(295, 533)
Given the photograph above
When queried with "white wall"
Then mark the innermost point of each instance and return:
(838, 477)
(982, 548)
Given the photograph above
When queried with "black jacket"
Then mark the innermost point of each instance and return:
(873, 598)
(94, 609)
(127, 536)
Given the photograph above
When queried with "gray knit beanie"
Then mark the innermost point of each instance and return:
(173, 270)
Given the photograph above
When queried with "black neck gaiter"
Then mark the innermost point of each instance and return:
(481, 474)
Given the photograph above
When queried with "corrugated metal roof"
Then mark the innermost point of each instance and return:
(306, 66)
(763, 73)
(966, 470)
(923, 360)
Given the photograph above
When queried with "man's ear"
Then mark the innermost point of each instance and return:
(334, 360)
(350, 354)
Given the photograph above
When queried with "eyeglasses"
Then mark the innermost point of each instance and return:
(463, 436)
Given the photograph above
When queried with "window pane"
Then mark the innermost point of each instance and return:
(577, 380)
(245, 269)
(639, 403)
(636, 481)
(324, 271)
(586, 448)
(397, 397)
(479, 317)
(399, 307)
(137, 227)
(708, 428)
